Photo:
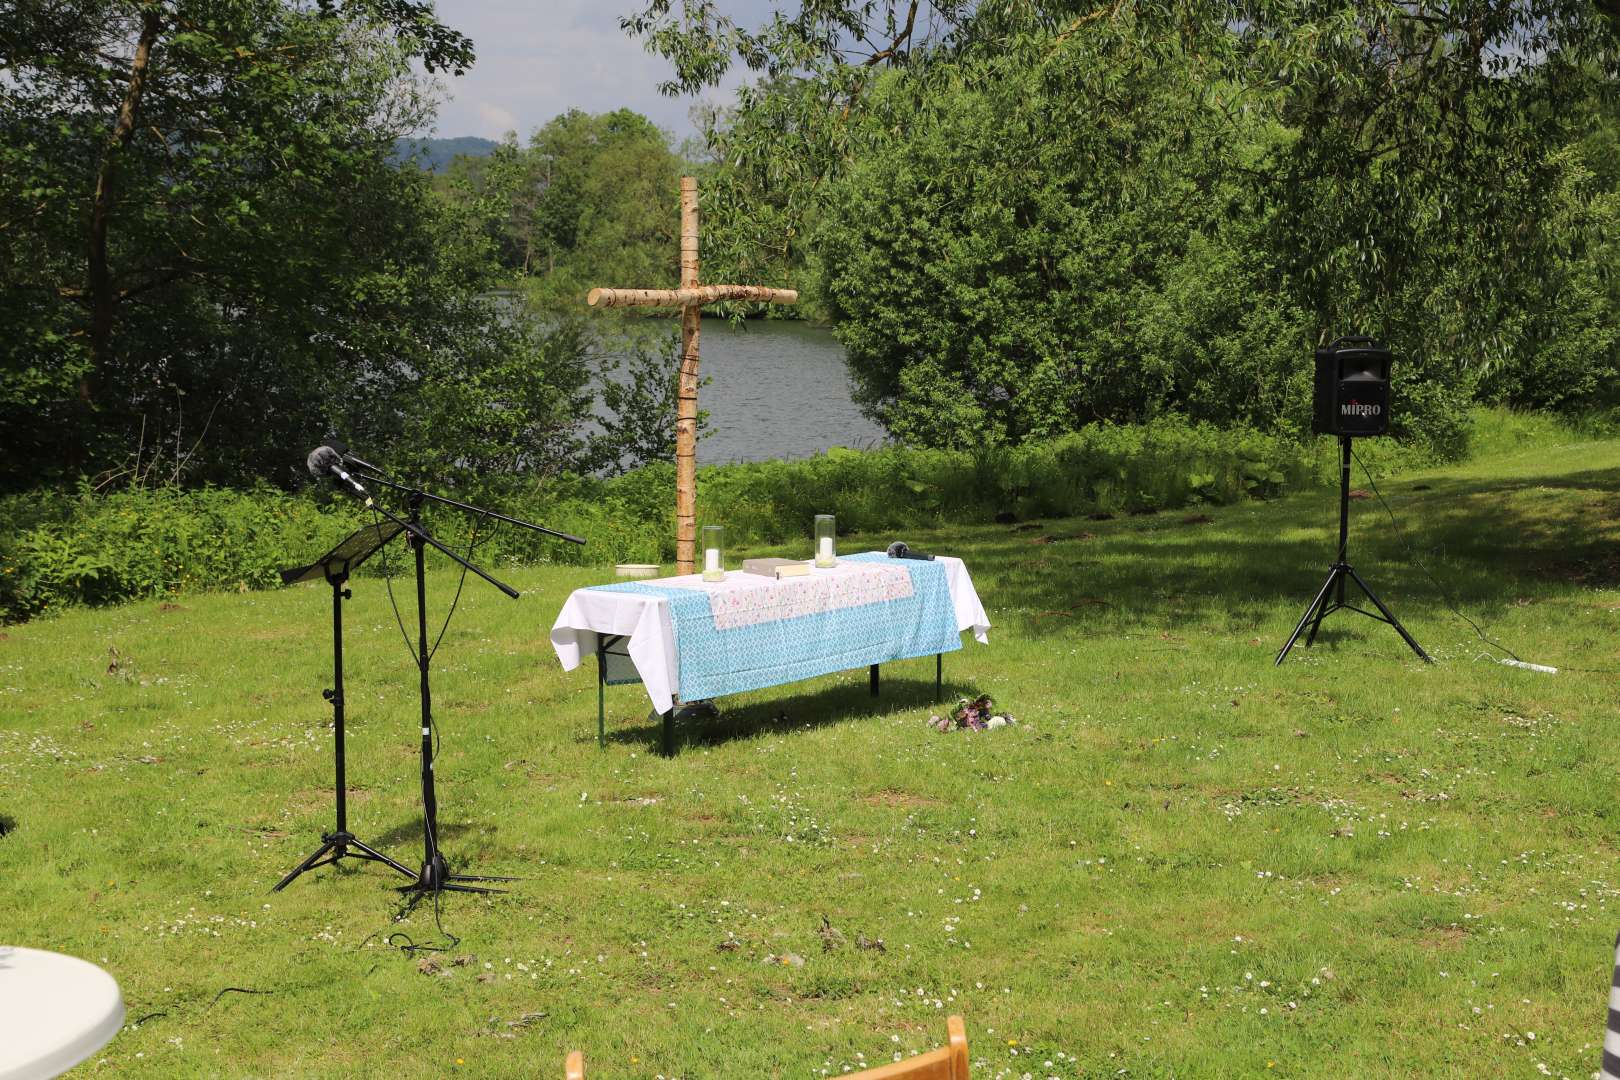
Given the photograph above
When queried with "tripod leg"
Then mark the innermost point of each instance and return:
(377, 856)
(1321, 599)
(308, 864)
(1390, 616)
(1336, 575)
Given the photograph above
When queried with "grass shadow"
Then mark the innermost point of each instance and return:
(1486, 542)
(410, 831)
(783, 711)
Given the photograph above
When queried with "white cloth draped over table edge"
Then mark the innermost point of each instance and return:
(643, 620)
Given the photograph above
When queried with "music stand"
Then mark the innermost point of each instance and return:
(334, 568)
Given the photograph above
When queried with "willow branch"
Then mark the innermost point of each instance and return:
(902, 38)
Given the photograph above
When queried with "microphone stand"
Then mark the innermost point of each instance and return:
(372, 474)
(435, 874)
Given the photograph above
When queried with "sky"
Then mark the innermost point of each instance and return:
(536, 60)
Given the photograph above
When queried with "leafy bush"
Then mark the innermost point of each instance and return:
(102, 549)
(58, 549)
(1103, 467)
(99, 549)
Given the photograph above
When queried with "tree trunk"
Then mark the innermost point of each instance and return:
(103, 297)
(687, 391)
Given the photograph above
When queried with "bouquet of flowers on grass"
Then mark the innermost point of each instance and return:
(975, 714)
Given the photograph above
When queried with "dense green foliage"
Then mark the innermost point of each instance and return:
(210, 259)
(588, 200)
(90, 549)
(1024, 218)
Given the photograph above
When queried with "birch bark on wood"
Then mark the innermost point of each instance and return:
(700, 294)
(690, 298)
(687, 391)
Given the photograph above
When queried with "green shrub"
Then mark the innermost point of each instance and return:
(1101, 468)
(60, 549)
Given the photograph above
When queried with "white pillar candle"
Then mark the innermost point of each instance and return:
(824, 550)
(711, 559)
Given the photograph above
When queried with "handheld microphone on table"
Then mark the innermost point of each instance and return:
(901, 550)
(324, 461)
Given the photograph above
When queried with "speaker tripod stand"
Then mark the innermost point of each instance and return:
(1331, 597)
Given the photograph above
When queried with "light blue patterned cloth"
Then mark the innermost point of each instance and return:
(713, 662)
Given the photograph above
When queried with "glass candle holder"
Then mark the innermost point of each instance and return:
(712, 535)
(826, 540)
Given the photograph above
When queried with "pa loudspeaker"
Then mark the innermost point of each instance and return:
(1352, 388)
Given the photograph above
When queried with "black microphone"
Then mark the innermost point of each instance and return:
(325, 461)
(901, 550)
(351, 458)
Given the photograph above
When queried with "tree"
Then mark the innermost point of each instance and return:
(203, 233)
(587, 200)
(1396, 168)
(1014, 269)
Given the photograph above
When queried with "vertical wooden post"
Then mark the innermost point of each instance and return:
(687, 391)
(690, 298)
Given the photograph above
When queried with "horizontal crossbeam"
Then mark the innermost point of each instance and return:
(696, 294)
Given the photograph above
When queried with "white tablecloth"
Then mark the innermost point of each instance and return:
(644, 621)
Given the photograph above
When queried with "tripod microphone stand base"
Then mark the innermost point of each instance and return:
(1322, 607)
(435, 876)
(335, 846)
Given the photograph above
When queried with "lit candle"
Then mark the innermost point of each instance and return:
(826, 530)
(712, 535)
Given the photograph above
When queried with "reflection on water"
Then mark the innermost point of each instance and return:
(776, 390)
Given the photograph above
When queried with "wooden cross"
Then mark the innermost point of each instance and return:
(690, 298)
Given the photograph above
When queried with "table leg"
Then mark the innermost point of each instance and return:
(669, 732)
(874, 680)
(601, 698)
(939, 674)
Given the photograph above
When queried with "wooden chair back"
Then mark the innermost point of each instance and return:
(949, 1062)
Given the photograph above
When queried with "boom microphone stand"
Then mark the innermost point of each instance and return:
(1322, 607)
(435, 874)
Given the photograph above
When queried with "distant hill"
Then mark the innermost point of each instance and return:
(434, 154)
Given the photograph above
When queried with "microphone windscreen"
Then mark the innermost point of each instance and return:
(321, 460)
(898, 549)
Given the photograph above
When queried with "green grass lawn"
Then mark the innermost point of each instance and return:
(1182, 861)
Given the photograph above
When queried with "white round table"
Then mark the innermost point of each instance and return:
(55, 1011)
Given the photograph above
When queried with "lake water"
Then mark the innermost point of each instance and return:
(777, 390)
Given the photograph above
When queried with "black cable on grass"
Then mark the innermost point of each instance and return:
(388, 582)
(234, 990)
